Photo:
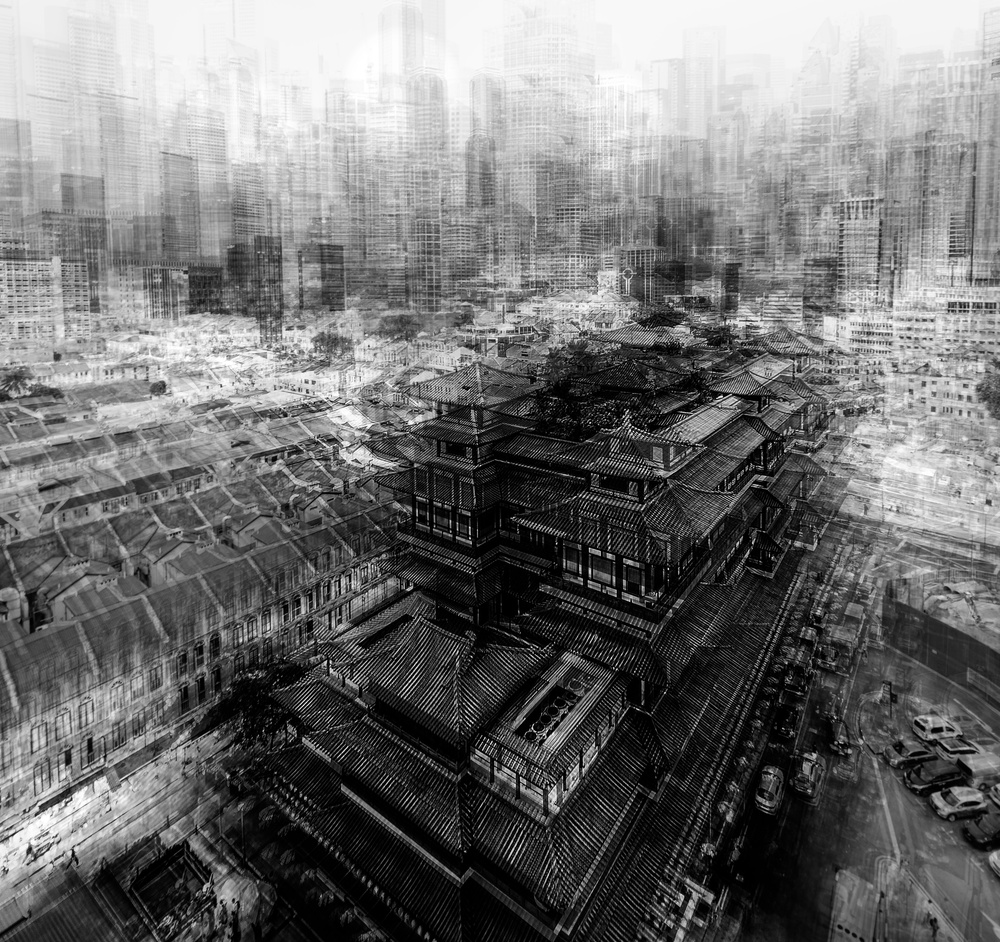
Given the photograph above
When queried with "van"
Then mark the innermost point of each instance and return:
(930, 727)
(980, 771)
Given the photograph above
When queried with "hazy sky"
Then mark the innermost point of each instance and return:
(643, 29)
(345, 30)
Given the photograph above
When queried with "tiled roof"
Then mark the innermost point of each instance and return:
(697, 426)
(630, 376)
(442, 680)
(629, 529)
(553, 860)
(796, 461)
(633, 335)
(741, 439)
(741, 384)
(415, 784)
(475, 384)
(709, 469)
(525, 445)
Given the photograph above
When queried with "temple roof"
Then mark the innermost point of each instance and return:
(636, 531)
(475, 384)
(647, 338)
(443, 681)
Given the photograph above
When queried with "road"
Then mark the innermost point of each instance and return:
(868, 850)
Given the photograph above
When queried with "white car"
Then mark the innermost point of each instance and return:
(930, 728)
(959, 802)
(956, 746)
(770, 789)
(994, 860)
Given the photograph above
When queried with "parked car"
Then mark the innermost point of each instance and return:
(959, 802)
(798, 673)
(839, 738)
(994, 862)
(932, 777)
(771, 789)
(981, 770)
(827, 703)
(994, 794)
(956, 746)
(807, 773)
(786, 723)
(931, 727)
(907, 754)
(983, 832)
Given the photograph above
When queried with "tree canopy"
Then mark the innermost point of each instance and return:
(249, 707)
(988, 389)
(39, 389)
(16, 381)
(332, 344)
(157, 388)
(568, 409)
(399, 326)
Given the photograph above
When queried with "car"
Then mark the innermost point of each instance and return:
(828, 703)
(771, 789)
(907, 754)
(786, 723)
(839, 738)
(956, 746)
(931, 727)
(994, 862)
(807, 773)
(983, 832)
(932, 777)
(958, 802)
(994, 794)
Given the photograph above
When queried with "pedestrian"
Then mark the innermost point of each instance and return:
(73, 859)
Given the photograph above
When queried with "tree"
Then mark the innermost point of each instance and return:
(16, 381)
(37, 389)
(249, 708)
(331, 344)
(158, 388)
(988, 389)
(399, 326)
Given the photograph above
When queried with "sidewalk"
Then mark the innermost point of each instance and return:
(101, 823)
(910, 911)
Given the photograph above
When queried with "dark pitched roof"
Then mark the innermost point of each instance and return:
(442, 680)
(475, 384)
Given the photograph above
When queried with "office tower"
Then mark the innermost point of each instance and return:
(986, 232)
(15, 132)
(435, 34)
(401, 45)
(226, 22)
(268, 298)
(703, 55)
(548, 59)
(180, 207)
(426, 158)
(206, 144)
(486, 100)
(859, 245)
(322, 278)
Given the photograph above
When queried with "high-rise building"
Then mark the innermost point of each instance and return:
(44, 299)
(322, 278)
(401, 45)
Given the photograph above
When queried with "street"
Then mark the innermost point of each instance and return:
(869, 857)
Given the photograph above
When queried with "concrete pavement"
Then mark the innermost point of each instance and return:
(100, 823)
